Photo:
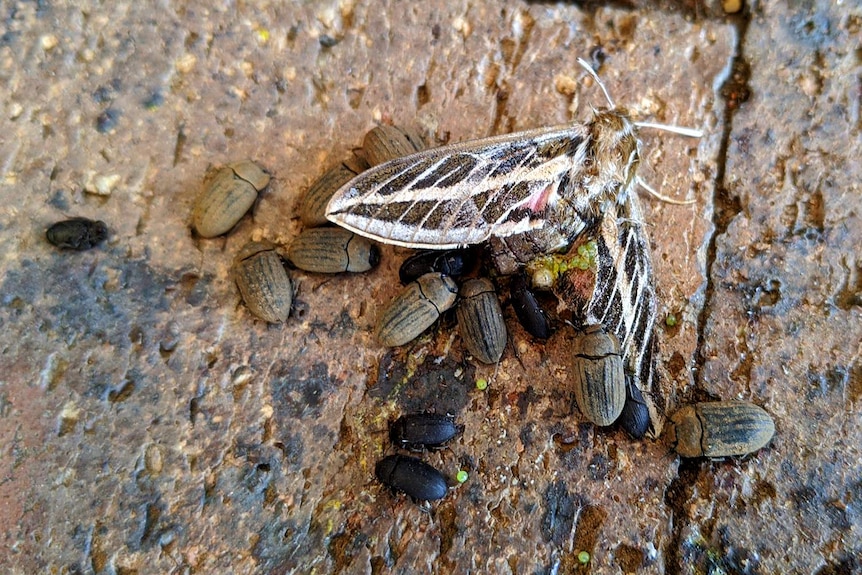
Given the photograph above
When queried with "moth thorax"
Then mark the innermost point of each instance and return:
(615, 150)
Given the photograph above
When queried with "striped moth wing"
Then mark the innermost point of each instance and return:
(548, 184)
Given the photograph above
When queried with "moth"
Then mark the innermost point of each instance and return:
(530, 194)
(548, 183)
(543, 186)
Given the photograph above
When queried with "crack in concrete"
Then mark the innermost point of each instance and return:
(727, 206)
(733, 91)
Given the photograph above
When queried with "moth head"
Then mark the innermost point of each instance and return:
(616, 149)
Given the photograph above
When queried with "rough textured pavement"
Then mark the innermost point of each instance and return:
(150, 424)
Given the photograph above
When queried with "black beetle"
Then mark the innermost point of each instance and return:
(419, 431)
(634, 418)
(77, 233)
(453, 263)
(412, 477)
(527, 308)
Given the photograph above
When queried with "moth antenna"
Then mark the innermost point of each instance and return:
(659, 196)
(691, 132)
(598, 80)
(682, 131)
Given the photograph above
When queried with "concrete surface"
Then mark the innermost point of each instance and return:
(150, 424)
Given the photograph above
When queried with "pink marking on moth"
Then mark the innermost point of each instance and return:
(539, 201)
